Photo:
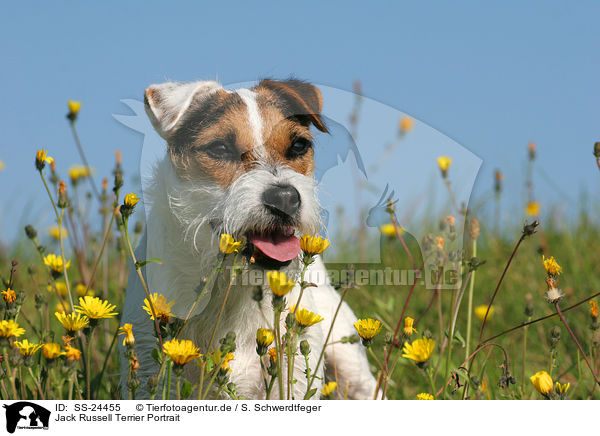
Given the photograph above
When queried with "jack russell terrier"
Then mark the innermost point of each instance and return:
(238, 162)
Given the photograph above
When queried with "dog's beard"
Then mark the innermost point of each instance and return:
(203, 208)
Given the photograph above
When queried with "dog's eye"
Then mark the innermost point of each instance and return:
(221, 150)
(299, 148)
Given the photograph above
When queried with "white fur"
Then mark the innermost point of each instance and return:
(179, 232)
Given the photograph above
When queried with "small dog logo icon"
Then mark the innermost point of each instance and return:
(26, 415)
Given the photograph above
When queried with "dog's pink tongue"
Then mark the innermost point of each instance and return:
(277, 246)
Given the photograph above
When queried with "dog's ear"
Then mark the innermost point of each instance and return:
(166, 102)
(300, 99)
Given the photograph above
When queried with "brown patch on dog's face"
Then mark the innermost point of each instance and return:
(215, 138)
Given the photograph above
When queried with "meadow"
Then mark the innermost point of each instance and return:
(523, 324)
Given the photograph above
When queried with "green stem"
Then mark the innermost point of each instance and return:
(178, 386)
(169, 380)
(470, 304)
(316, 370)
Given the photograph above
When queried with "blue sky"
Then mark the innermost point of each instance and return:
(492, 77)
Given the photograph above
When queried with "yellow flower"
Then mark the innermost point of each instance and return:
(542, 382)
(56, 232)
(55, 263)
(72, 354)
(9, 296)
(127, 330)
(562, 389)
(26, 348)
(420, 350)
(480, 312)
(41, 157)
(367, 328)
(305, 318)
(10, 328)
(312, 245)
(279, 283)
(131, 200)
(74, 107)
(405, 124)
(551, 266)
(593, 309)
(81, 289)
(228, 245)
(161, 307)
(439, 242)
(52, 351)
(181, 352)
(425, 396)
(58, 287)
(408, 326)
(329, 388)
(444, 163)
(532, 208)
(390, 231)
(72, 322)
(264, 337)
(272, 354)
(95, 308)
(78, 172)
(225, 364)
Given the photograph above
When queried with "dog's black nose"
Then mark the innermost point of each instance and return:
(282, 199)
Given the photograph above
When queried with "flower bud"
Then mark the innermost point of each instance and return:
(304, 347)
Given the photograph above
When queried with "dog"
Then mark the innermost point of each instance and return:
(238, 162)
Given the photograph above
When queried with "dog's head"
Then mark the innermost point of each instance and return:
(243, 161)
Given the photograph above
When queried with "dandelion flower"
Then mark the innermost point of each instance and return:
(532, 208)
(128, 205)
(329, 388)
(95, 308)
(389, 230)
(72, 322)
(272, 354)
(279, 283)
(10, 328)
(181, 352)
(593, 309)
(162, 308)
(9, 296)
(79, 172)
(420, 350)
(425, 396)
(55, 263)
(52, 351)
(56, 233)
(481, 310)
(228, 245)
(27, 348)
(444, 163)
(551, 266)
(312, 245)
(367, 328)
(74, 107)
(82, 290)
(405, 124)
(264, 337)
(542, 382)
(562, 389)
(127, 330)
(59, 288)
(41, 157)
(408, 329)
(72, 354)
(304, 317)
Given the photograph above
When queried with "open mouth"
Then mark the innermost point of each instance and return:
(273, 249)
